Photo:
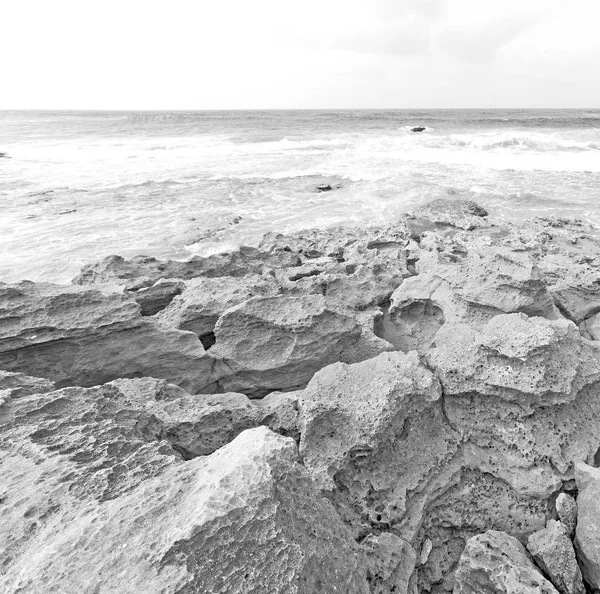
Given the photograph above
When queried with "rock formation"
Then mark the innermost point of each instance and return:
(587, 539)
(409, 408)
(553, 551)
(278, 343)
(80, 336)
(494, 562)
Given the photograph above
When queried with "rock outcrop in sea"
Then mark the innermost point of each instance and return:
(400, 409)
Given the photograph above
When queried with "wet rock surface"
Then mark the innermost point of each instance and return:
(395, 409)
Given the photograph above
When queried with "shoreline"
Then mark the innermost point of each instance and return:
(350, 409)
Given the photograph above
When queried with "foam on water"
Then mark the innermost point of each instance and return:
(78, 187)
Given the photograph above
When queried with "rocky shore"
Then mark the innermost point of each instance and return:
(401, 409)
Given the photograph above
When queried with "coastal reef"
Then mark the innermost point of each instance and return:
(413, 408)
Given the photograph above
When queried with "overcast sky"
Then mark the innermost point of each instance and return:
(228, 54)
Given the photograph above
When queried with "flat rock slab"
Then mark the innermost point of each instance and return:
(515, 357)
(82, 336)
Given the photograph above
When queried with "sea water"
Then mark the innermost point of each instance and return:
(78, 186)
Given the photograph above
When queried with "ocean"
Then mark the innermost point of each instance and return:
(78, 186)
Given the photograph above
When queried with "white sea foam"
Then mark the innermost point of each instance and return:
(169, 185)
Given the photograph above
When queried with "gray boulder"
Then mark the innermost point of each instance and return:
(144, 271)
(587, 534)
(553, 552)
(204, 300)
(278, 343)
(374, 438)
(109, 508)
(495, 563)
(566, 509)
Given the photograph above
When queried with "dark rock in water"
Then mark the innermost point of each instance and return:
(418, 129)
(323, 188)
(5, 155)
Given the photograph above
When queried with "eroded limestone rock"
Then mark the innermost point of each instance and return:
(82, 336)
(481, 283)
(523, 397)
(129, 516)
(552, 550)
(587, 534)
(374, 437)
(278, 343)
(198, 425)
(204, 300)
(441, 214)
(566, 509)
(494, 563)
(144, 271)
(524, 393)
(534, 360)
(19, 384)
(480, 424)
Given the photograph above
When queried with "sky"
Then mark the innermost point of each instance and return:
(287, 54)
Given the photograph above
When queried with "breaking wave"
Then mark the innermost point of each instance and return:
(520, 142)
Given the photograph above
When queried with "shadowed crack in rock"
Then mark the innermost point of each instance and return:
(421, 411)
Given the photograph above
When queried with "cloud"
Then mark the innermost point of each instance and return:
(395, 9)
(392, 28)
(481, 42)
(401, 38)
(338, 53)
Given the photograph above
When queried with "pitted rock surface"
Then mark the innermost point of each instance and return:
(587, 534)
(214, 524)
(552, 550)
(375, 438)
(278, 343)
(441, 375)
(204, 300)
(81, 336)
(476, 285)
(514, 357)
(494, 563)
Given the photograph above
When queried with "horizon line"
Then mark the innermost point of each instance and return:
(63, 109)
